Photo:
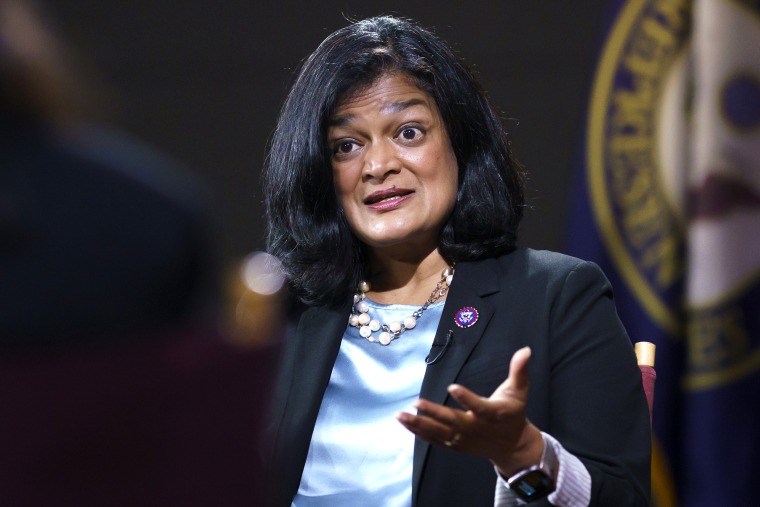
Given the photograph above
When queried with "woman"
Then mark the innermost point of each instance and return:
(394, 204)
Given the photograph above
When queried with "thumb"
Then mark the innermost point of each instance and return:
(516, 384)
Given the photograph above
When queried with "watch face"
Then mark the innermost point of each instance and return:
(532, 485)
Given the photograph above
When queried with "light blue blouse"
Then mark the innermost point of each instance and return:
(359, 453)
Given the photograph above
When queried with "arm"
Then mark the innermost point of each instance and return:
(598, 407)
(496, 427)
(594, 401)
(573, 483)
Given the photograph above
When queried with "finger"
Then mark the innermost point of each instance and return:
(426, 428)
(516, 384)
(467, 399)
(445, 415)
(518, 368)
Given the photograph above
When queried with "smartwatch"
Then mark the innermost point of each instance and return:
(535, 482)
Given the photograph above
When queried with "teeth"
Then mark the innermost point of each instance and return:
(390, 198)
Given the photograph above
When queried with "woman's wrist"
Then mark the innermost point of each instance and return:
(526, 453)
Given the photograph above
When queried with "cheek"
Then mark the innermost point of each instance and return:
(451, 179)
(344, 185)
(449, 201)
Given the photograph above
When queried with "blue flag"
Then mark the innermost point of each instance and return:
(668, 203)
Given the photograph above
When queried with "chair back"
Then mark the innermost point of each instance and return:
(645, 354)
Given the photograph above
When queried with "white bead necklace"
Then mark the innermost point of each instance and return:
(360, 312)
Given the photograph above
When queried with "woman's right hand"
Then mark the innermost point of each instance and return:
(494, 427)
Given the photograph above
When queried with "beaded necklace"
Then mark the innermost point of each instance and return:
(367, 325)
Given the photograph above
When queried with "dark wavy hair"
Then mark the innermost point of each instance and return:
(308, 230)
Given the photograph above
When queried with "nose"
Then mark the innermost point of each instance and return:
(380, 160)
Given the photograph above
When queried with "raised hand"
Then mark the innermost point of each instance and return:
(494, 427)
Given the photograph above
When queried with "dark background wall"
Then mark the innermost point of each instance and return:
(203, 81)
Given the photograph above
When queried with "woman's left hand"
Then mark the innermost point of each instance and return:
(494, 427)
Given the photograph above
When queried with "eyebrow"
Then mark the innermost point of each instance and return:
(392, 108)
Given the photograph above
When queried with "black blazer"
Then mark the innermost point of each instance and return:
(585, 387)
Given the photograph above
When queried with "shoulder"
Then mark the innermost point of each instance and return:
(296, 313)
(529, 275)
(107, 174)
(544, 265)
(133, 166)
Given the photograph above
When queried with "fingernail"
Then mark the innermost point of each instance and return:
(453, 388)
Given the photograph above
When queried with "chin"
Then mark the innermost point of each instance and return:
(412, 242)
(384, 242)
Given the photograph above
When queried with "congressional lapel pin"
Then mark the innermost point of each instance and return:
(466, 317)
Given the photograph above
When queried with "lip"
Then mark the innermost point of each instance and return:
(395, 197)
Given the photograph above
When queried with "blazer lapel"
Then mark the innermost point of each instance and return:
(472, 282)
(316, 343)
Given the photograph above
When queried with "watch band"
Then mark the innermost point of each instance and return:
(537, 481)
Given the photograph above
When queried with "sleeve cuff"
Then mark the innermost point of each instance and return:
(573, 481)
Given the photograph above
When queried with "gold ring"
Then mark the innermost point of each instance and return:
(454, 440)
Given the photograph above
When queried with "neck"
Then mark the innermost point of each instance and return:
(407, 281)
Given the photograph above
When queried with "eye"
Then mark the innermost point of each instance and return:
(345, 147)
(410, 133)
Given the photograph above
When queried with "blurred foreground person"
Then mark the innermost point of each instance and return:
(99, 236)
(118, 388)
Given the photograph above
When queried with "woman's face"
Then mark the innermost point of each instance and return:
(394, 170)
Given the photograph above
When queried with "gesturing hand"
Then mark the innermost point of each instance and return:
(494, 427)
